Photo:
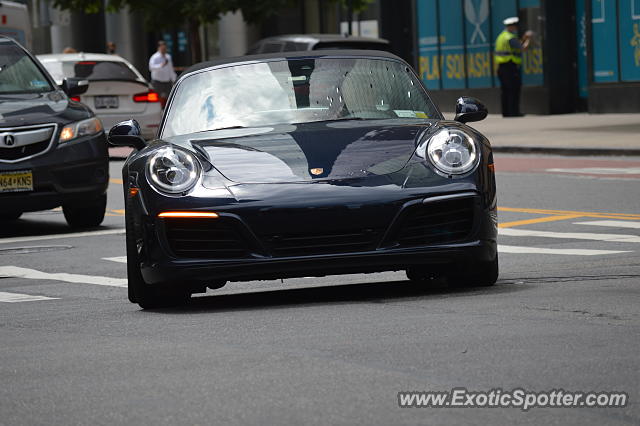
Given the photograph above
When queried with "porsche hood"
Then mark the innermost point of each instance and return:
(312, 151)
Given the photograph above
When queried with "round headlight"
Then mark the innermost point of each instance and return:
(452, 152)
(173, 170)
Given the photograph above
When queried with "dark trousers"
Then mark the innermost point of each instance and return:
(510, 84)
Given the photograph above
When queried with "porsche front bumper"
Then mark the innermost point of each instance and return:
(185, 253)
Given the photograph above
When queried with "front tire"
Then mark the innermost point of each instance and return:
(138, 290)
(87, 215)
(482, 274)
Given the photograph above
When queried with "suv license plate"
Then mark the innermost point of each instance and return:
(101, 102)
(20, 180)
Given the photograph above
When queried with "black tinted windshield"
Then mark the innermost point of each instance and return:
(91, 70)
(297, 91)
(18, 72)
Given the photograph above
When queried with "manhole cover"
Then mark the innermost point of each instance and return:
(34, 249)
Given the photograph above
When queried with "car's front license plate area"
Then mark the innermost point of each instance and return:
(104, 102)
(16, 181)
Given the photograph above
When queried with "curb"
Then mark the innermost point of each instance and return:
(567, 151)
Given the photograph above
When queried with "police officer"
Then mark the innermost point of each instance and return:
(508, 56)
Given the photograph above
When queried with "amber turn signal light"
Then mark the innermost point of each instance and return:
(210, 215)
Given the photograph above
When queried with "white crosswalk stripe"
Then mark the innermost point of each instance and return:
(118, 259)
(18, 272)
(541, 250)
(18, 297)
(618, 238)
(60, 236)
(611, 223)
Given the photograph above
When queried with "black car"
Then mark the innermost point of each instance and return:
(305, 164)
(53, 151)
(302, 42)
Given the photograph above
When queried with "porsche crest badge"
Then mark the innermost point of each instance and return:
(316, 171)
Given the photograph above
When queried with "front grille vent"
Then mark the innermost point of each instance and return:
(308, 244)
(206, 239)
(439, 222)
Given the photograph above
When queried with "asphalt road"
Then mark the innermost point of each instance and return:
(336, 350)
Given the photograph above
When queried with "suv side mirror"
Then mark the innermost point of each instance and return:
(74, 86)
(470, 109)
(127, 133)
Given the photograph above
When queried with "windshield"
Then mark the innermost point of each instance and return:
(296, 91)
(18, 72)
(91, 70)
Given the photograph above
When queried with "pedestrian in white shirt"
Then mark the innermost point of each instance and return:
(162, 72)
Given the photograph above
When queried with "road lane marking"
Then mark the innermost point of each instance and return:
(611, 223)
(600, 170)
(119, 259)
(538, 220)
(17, 297)
(541, 250)
(617, 238)
(57, 236)
(620, 216)
(18, 272)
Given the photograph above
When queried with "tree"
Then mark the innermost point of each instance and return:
(164, 14)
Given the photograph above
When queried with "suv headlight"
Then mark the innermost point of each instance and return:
(87, 127)
(173, 170)
(451, 151)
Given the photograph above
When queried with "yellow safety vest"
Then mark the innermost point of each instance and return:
(504, 52)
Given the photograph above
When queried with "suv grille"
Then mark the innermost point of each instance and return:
(205, 239)
(435, 223)
(22, 143)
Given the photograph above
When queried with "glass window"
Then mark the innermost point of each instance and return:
(91, 70)
(272, 47)
(297, 91)
(18, 72)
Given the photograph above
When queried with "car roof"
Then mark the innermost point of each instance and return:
(319, 38)
(333, 53)
(7, 39)
(81, 56)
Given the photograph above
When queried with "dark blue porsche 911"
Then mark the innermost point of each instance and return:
(305, 164)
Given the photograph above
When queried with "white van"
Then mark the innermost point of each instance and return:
(15, 22)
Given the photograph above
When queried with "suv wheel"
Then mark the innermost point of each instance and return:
(86, 215)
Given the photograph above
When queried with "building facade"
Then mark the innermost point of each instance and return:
(584, 55)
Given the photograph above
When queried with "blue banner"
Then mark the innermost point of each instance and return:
(452, 45)
(629, 26)
(478, 42)
(429, 65)
(605, 43)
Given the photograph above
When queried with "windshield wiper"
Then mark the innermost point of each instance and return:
(221, 128)
(329, 120)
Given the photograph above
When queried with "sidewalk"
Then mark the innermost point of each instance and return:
(565, 134)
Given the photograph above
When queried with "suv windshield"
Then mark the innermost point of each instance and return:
(91, 70)
(18, 73)
(296, 91)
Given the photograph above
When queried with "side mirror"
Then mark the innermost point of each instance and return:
(127, 133)
(74, 86)
(470, 109)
